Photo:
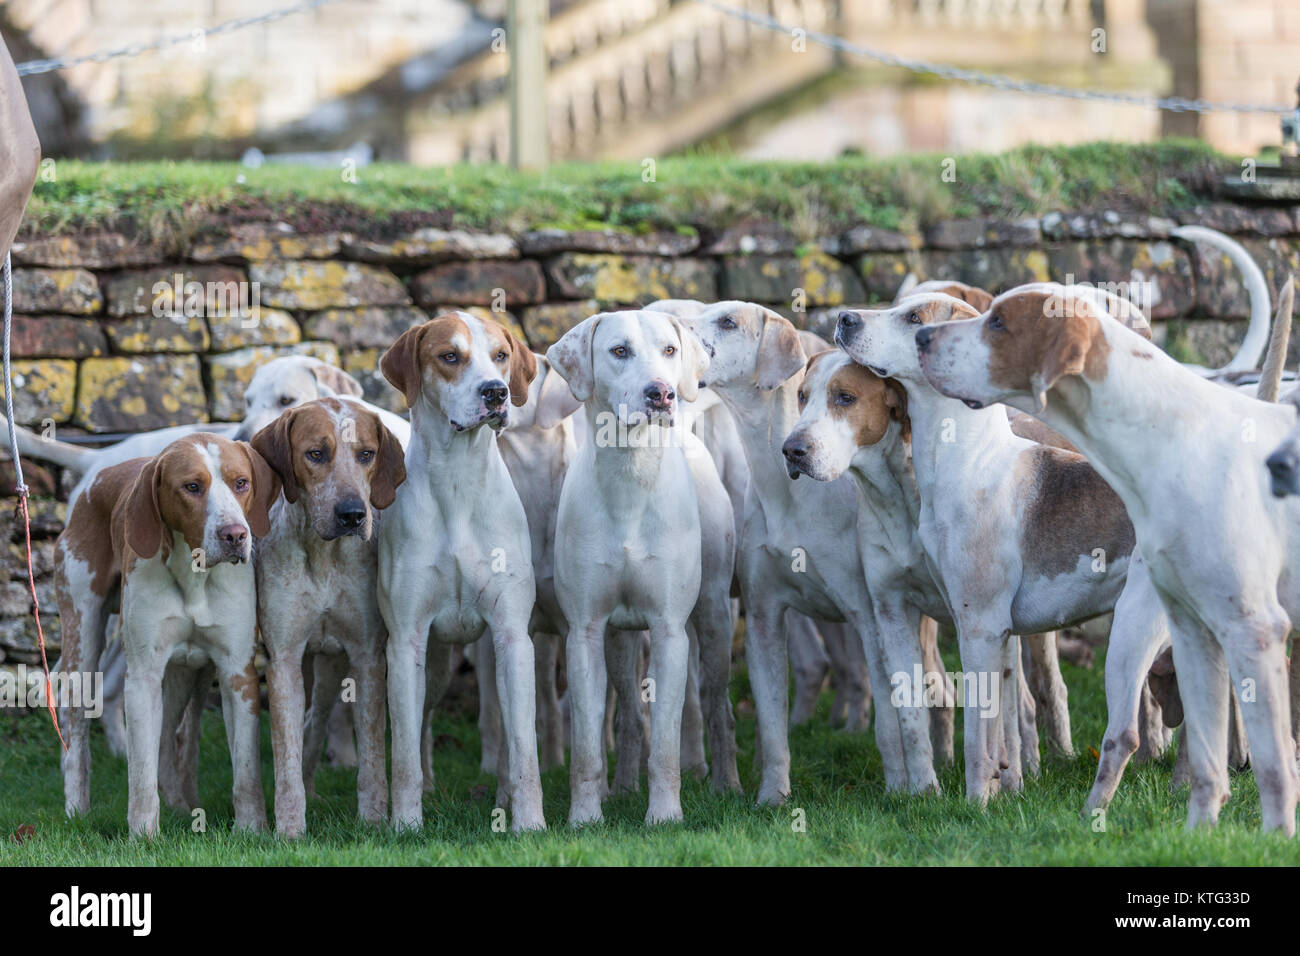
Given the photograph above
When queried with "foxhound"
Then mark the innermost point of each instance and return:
(316, 568)
(645, 540)
(815, 649)
(1053, 540)
(798, 548)
(170, 537)
(455, 558)
(281, 383)
(1221, 550)
(537, 449)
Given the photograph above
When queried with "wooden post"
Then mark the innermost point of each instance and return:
(526, 39)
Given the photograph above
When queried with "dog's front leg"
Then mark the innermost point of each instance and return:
(242, 705)
(623, 658)
(981, 661)
(669, 650)
(372, 773)
(765, 655)
(902, 657)
(585, 665)
(144, 712)
(1050, 693)
(518, 696)
(329, 672)
(285, 687)
(550, 730)
(407, 651)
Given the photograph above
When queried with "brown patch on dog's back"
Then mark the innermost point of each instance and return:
(1027, 426)
(1071, 513)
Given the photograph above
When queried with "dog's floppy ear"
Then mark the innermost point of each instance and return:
(144, 524)
(266, 488)
(1067, 345)
(896, 402)
(571, 357)
(390, 468)
(274, 447)
(331, 381)
(695, 361)
(780, 353)
(401, 364)
(964, 309)
(523, 369)
(977, 297)
(555, 402)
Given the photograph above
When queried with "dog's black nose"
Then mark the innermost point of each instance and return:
(350, 513)
(848, 321)
(494, 393)
(794, 449)
(1282, 467)
(923, 337)
(659, 394)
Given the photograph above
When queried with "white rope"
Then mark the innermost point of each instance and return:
(32, 67)
(1174, 104)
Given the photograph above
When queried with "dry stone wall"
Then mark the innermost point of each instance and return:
(105, 343)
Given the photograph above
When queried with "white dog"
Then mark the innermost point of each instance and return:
(641, 544)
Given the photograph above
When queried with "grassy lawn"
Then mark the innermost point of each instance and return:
(170, 202)
(836, 781)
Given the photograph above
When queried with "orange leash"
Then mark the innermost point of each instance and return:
(36, 613)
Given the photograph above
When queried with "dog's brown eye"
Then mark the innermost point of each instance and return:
(241, 485)
(501, 356)
(193, 487)
(726, 322)
(365, 456)
(844, 398)
(285, 401)
(315, 454)
(995, 322)
(671, 350)
(619, 351)
(914, 319)
(451, 358)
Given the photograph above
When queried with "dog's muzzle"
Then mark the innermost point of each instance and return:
(847, 327)
(795, 451)
(1284, 473)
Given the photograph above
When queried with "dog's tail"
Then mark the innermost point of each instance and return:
(49, 449)
(1252, 346)
(1270, 379)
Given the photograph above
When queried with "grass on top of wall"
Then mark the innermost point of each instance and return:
(170, 203)
(836, 779)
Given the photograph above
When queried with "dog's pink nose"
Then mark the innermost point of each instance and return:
(232, 534)
(659, 394)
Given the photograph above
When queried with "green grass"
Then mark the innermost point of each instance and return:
(836, 781)
(171, 202)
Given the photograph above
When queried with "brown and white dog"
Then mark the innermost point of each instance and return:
(455, 557)
(1187, 458)
(316, 571)
(171, 537)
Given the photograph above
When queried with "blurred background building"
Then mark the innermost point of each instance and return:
(425, 80)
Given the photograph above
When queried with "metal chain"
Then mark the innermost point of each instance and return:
(1175, 104)
(32, 67)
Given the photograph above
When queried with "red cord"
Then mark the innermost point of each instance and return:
(36, 612)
